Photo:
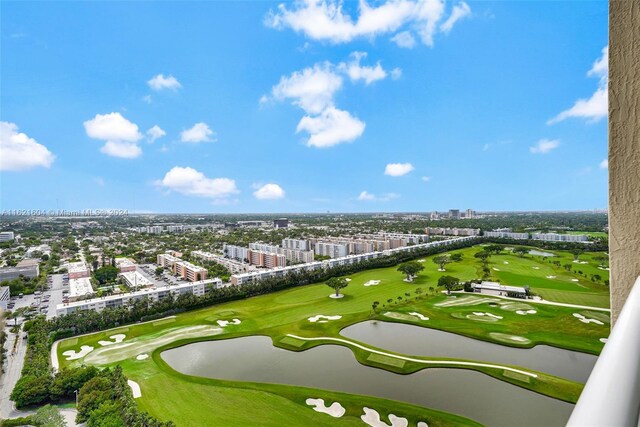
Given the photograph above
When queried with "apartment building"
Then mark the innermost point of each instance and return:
(167, 260)
(266, 259)
(292, 255)
(452, 231)
(10, 273)
(507, 235)
(232, 265)
(190, 272)
(235, 252)
(244, 278)
(198, 288)
(5, 236)
(125, 265)
(555, 237)
(296, 244)
(333, 250)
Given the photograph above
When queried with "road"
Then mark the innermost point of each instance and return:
(12, 374)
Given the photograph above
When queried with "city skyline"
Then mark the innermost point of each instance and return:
(252, 108)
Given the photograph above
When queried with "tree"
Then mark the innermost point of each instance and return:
(456, 257)
(418, 292)
(337, 283)
(410, 269)
(576, 253)
(432, 289)
(49, 416)
(483, 256)
(106, 274)
(603, 260)
(374, 306)
(520, 251)
(448, 282)
(159, 271)
(494, 249)
(441, 260)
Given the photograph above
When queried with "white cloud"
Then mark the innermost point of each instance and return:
(330, 128)
(368, 197)
(396, 73)
(124, 150)
(161, 82)
(311, 89)
(19, 152)
(155, 132)
(326, 20)
(200, 132)
(404, 39)
(604, 164)
(595, 107)
(147, 99)
(356, 72)
(398, 169)
(120, 135)
(269, 192)
(544, 146)
(426, 178)
(458, 12)
(190, 182)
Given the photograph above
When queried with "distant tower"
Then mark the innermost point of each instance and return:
(469, 214)
(454, 213)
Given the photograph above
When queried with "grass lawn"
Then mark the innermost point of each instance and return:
(199, 401)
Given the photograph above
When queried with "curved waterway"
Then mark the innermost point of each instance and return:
(419, 341)
(464, 392)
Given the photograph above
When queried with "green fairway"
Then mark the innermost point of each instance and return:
(284, 316)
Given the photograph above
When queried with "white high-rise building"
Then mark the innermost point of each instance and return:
(333, 250)
(297, 244)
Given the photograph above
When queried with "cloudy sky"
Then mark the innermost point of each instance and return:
(310, 106)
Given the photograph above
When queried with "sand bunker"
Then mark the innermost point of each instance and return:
(422, 424)
(73, 355)
(116, 339)
(604, 340)
(372, 283)
(371, 418)
(525, 312)
(583, 319)
(334, 296)
(509, 338)
(147, 343)
(496, 269)
(347, 279)
(419, 315)
(551, 277)
(224, 323)
(513, 306)
(135, 389)
(142, 356)
(574, 280)
(536, 268)
(454, 302)
(321, 318)
(506, 262)
(421, 260)
(336, 410)
(603, 268)
(580, 262)
(478, 313)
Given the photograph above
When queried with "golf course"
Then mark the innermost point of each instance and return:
(568, 316)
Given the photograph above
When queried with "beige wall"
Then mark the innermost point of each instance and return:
(624, 148)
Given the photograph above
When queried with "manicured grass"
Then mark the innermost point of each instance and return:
(199, 401)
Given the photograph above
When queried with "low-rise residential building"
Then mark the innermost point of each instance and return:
(291, 255)
(266, 259)
(5, 296)
(135, 279)
(125, 264)
(10, 273)
(77, 270)
(232, 265)
(153, 294)
(452, 231)
(79, 287)
(555, 237)
(236, 252)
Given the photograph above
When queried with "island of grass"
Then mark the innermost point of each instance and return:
(285, 317)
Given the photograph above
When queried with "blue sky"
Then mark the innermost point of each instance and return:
(483, 105)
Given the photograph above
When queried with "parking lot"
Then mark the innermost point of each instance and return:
(44, 302)
(166, 279)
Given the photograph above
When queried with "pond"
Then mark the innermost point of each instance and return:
(419, 341)
(540, 253)
(468, 393)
